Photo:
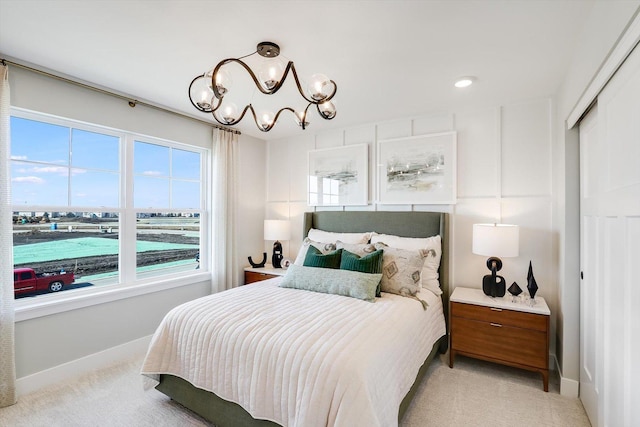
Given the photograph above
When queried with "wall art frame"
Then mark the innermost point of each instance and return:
(417, 170)
(338, 176)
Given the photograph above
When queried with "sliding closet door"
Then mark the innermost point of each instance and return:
(610, 251)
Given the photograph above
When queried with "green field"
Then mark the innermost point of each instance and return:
(82, 247)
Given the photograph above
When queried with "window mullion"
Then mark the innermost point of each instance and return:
(127, 260)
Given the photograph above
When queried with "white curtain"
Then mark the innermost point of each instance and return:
(7, 315)
(224, 260)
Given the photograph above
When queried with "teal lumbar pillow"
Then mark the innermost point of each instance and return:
(315, 258)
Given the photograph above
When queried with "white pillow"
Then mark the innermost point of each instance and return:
(325, 248)
(330, 237)
(432, 247)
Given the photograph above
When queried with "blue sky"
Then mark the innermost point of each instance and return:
(43, 172)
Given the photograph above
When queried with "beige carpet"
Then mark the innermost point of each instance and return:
(474, 393)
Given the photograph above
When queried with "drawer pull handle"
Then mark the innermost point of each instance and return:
(496, 309)
(497, 325)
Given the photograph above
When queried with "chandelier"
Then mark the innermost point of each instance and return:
(207, 91)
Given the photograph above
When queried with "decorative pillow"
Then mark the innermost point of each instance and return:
(315, 258)
(432, 248)
(371, 263)
(356, 248)
(331, 237)
(325, 248)
(329, 281)
(400, 270)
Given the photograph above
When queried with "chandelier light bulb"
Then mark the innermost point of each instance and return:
(327, 110)
(270, 73)
(318, 87)
(229, 112)
(205, 99)
(223, 81)
(266, 119)
(301, 118)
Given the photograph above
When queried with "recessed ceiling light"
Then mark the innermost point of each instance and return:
(464, 81)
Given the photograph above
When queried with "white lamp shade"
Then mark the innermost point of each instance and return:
(499, 240)
(277, 229)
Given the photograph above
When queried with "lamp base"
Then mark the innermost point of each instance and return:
(276, 258)
(493, 288)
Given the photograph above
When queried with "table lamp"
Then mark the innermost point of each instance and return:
(277, 229)
(495, 240)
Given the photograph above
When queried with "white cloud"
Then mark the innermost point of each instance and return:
(18, 157)
(151, 173)
(29, 179)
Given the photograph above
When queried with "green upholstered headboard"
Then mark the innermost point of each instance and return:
(405, 224)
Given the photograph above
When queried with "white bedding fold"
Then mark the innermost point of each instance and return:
(300, 358)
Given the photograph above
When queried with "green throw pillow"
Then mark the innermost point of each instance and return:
(371, 263)
(315, 258)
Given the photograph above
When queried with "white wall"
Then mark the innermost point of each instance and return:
(503, 175)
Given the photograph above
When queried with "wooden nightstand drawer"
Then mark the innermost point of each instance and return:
(517, 319)
(250, 277)
(506, 343)
(257, 274)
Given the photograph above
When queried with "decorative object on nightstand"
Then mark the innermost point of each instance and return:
(259, 264)
(499, 330)
(532, 286)
(495, 240)
(514, 290)
(276, 229)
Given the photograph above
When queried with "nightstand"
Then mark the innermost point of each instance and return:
(500, 331)
(252, 274)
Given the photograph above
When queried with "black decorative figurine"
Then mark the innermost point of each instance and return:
(260, 264)
(532, 286)
(514, 289)
(276, 258)
(492, 284)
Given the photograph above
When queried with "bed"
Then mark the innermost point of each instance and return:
(338, 361)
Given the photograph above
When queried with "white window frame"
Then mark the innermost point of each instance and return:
(128, 285)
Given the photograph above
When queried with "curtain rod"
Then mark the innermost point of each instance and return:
(132, 101)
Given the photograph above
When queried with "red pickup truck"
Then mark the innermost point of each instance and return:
(25, 280)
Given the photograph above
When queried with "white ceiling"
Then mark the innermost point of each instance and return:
(390, 59)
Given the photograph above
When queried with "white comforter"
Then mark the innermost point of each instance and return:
(300, 358)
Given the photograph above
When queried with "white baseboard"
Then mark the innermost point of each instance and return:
(568, 387)
(81, 366)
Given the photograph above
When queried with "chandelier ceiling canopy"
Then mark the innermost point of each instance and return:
(207, 91)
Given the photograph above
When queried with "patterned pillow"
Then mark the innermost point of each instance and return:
(331, 237)
(432, 248)
(329, 281)
(325, 248)
(370, 263)
(356, 248)
(315, 258)
(400, 270)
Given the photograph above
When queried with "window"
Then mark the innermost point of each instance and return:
(112, 207)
